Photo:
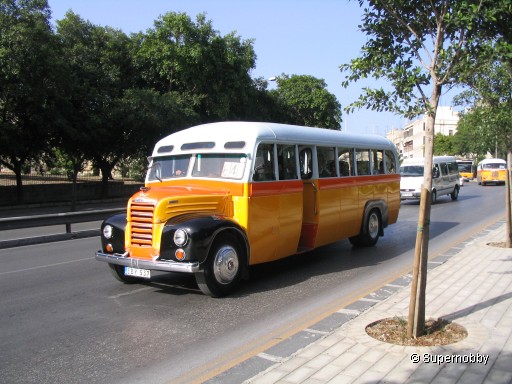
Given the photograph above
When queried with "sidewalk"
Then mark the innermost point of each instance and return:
(471, 285)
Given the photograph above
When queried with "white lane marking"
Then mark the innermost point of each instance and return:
(129, 293)
(45, 266)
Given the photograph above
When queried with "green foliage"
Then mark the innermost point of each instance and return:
(305, 100)
(84, 93)
(486, 129)
(445, 145)
(192, 59)
(28, 90)
(486, 126)
(414, 46)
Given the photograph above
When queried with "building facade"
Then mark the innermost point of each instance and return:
(410, 141)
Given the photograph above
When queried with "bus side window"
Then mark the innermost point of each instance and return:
(390, 162)
(377, 162)
(326, 161)
(306, 163)
(346, 161)
(363, 161)
(264, 163)
(286, 162)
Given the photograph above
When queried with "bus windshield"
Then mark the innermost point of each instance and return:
(494, 166)
(219, 165)
(411, 171)
(168, 167)
(212, 165)
(465, 167)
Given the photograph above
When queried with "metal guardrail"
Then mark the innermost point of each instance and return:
(66, 219)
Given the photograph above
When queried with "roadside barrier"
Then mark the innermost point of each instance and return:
(66, 219)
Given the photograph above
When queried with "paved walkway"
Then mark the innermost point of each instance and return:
(470, 285)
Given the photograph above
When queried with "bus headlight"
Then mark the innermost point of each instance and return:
(107, 231)
(180, 237)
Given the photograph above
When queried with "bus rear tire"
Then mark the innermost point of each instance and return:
(222, 270)
(371, 231)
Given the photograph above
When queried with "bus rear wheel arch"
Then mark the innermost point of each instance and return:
(222, 270)
(370, 231)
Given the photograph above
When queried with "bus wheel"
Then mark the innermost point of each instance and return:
(370, 233)
(118, 273)
(220, 273)
(455, 194)
(433, 196)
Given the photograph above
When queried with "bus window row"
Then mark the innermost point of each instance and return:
(292, 162)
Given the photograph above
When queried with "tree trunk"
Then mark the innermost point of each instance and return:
(416, 320)
(508, 197)
(19, 183)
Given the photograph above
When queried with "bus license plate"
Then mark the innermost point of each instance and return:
(137, 272)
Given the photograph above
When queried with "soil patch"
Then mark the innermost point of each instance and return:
(437, 332)
(500, 244)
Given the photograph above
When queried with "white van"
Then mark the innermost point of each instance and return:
(445, 178)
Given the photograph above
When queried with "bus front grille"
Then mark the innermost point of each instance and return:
(141, 217)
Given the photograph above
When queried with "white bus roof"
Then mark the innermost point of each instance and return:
(252, 133)
(493, 161)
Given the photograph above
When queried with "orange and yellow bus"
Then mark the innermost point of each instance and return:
(491, 171)
(221, 197)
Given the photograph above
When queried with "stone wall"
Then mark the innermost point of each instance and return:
(56, 193)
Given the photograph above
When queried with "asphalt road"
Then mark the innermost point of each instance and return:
(65, 319)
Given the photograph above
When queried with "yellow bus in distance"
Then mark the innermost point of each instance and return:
(492, 171)
(221, 197)
(466, 169)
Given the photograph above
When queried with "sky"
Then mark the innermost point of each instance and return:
(293, 37)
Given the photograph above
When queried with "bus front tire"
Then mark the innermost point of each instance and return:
(118, 273)
(370, 233)
(221, 272)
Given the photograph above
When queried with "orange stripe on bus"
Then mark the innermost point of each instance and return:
(275, 187)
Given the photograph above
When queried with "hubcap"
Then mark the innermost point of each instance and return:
(373, 226)
(225, 265)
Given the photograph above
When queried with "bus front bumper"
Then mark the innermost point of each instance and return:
(157, 265)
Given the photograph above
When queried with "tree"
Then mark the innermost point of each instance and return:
(445, 145)
(305, 100)
(419, 47)
(28, 90)
(484, 129)
(192, 59)
(489, 96)
(108, 118)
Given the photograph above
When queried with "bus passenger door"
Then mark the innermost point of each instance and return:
(310, 200)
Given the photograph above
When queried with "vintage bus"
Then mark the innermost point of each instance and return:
(491, 171)
(221, 197)
(466, 169)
